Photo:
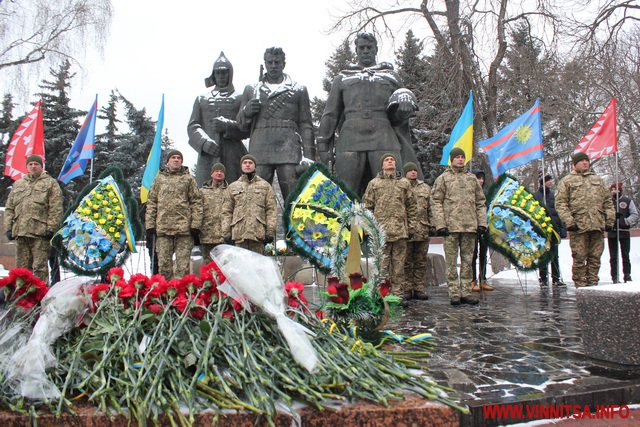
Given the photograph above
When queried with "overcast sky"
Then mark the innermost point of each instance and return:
(154, 49)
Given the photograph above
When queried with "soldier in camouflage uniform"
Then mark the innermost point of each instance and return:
(214, 195)
(249, 215)
(278, 113)
(459, 215)
(585, 207)
(415, 266)
(32, 215)
(213, 130)
(174, 216)
(394, 206)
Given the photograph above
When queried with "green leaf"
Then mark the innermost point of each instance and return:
(205, 327)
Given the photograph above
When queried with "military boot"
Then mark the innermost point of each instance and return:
(485, 286)
(474, 286)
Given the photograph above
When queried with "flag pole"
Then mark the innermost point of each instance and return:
(91, 172)
(616, 180)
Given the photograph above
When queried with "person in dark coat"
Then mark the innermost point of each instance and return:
(626, 216)
(546, 196)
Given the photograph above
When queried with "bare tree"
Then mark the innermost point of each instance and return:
(612, 19)
(34, 32)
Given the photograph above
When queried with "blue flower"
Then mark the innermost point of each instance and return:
(79, 239)
(498, 223)
(88, 227)
(505, 214)
(512, 235)
(316, 235)
(104, 245)
(93, 252)
(497, 211)
(526, 226)
(65, 232)
(516, 220)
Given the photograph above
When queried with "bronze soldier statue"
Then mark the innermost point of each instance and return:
(369, 109)
(213, 130)
(277, 112)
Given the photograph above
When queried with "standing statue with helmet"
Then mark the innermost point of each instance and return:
(213, 130)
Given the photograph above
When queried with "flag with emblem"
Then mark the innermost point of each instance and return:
(28, 140)
(602, 138)
(516, 144)
(82, 149)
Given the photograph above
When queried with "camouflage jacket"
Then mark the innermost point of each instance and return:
(583, 199)
(422, 193)
(34, 206)
(393, 205)
(213, 197)
(174, 204)
(250, 213)
(458, 202)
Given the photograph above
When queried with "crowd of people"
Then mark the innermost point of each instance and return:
(179, 214)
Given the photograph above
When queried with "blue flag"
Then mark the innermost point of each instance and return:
(517, 143)
(462, 134)
(82, 149)
(153, 161)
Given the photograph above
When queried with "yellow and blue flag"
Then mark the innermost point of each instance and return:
(153, 161)
(462, 134)
(517, 143)
(82, 149)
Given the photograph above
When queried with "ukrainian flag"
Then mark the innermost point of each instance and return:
(462, 134)
(153, 161)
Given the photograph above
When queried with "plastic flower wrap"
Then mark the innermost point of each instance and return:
(61, 309)
(253, 277)
(312, 216)
(519, 226)
(97, 234)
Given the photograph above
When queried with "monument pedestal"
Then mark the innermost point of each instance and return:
(610, 317)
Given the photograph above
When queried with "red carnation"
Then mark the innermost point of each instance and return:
(140, 282)
(157, 285)
(156, 308)
(356, 280)
(124, 290)
(215, 271)
(320, 314)
(115, 274)
(190, 283)
(295, 293)
(99, 292)
(333, 290)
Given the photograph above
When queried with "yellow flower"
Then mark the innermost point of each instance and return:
(531, 209)
(547, 219)
(105, 203)
(536, 203)
(301, 227)
(118, 222)
(117, 209)
(117, 235)
(88, 202)
(109, 217)
(107, 210)
(320, 217)
(110, 194)
(529, 196)
(109, 187)
(514, 201)
(538, 217)
(302, 213)
(523, 203)
(333, 225)
(95, 207)
(99, 196)
(114, 201)
(86, 211)
(549, 229)
(120, 216)
(102, 221)
(316, 235)
(96, 215)
(112, 230)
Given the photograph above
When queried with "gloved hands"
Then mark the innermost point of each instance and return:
(609, 228)
(573, 227)
(444, 232)
(268, 239)
(9, 235)
(151, 234)
(481, 230)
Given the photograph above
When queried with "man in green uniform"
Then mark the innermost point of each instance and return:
(32, 215)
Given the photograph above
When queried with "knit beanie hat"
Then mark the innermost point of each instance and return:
(384, 156)
(579, 157)
(174, 153)
(34, 158)
(547, 177)
(249, 157)
(409, 166)
(479, 173)
(218, 167)
(455, 152)
(618, 185)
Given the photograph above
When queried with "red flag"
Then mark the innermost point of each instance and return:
(602, 139)
(28, 140)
